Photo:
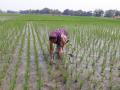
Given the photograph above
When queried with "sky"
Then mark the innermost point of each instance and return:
(85, 5)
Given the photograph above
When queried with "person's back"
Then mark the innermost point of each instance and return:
(57, 34)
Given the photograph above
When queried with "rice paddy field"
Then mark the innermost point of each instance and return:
(91, 59)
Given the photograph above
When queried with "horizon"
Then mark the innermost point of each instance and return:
(61, 5)
(55, 9)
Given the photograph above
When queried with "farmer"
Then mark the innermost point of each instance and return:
(60, 38)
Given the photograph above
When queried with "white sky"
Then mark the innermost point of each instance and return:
(60, 4)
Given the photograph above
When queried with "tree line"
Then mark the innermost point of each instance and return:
(97, 12)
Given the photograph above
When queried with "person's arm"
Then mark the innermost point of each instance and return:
(63, 41)
(62, 46)
(51, 50)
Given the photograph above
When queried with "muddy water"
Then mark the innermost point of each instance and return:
(33, 79)
(41, 59)
(21, 70)
(44, 69)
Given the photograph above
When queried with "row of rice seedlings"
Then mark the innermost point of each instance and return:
(38, 69)
(16, 38)
(98, 70)
(108, 76)
(12, 46)
(7, 40)
(39, 40)
(96, 66)
(91, 57)
(73, 50)
(85, 68)
(105, 49)
(71, 68)
(13, 81)
(9, 56)
(4, 42)
(45, 38)
(10, 70)
(3, 61)
(42, 44)
(27, 71)
(92, 52)
(42, 57)
(6, 28)
(45, 50)
(5, 67)
(74, 44)
(113, 63)
(109, 56)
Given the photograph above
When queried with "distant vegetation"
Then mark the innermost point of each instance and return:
(97, 12)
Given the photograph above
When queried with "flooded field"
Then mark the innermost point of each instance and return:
(91, 59)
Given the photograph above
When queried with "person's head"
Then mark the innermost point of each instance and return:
(52, 39)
